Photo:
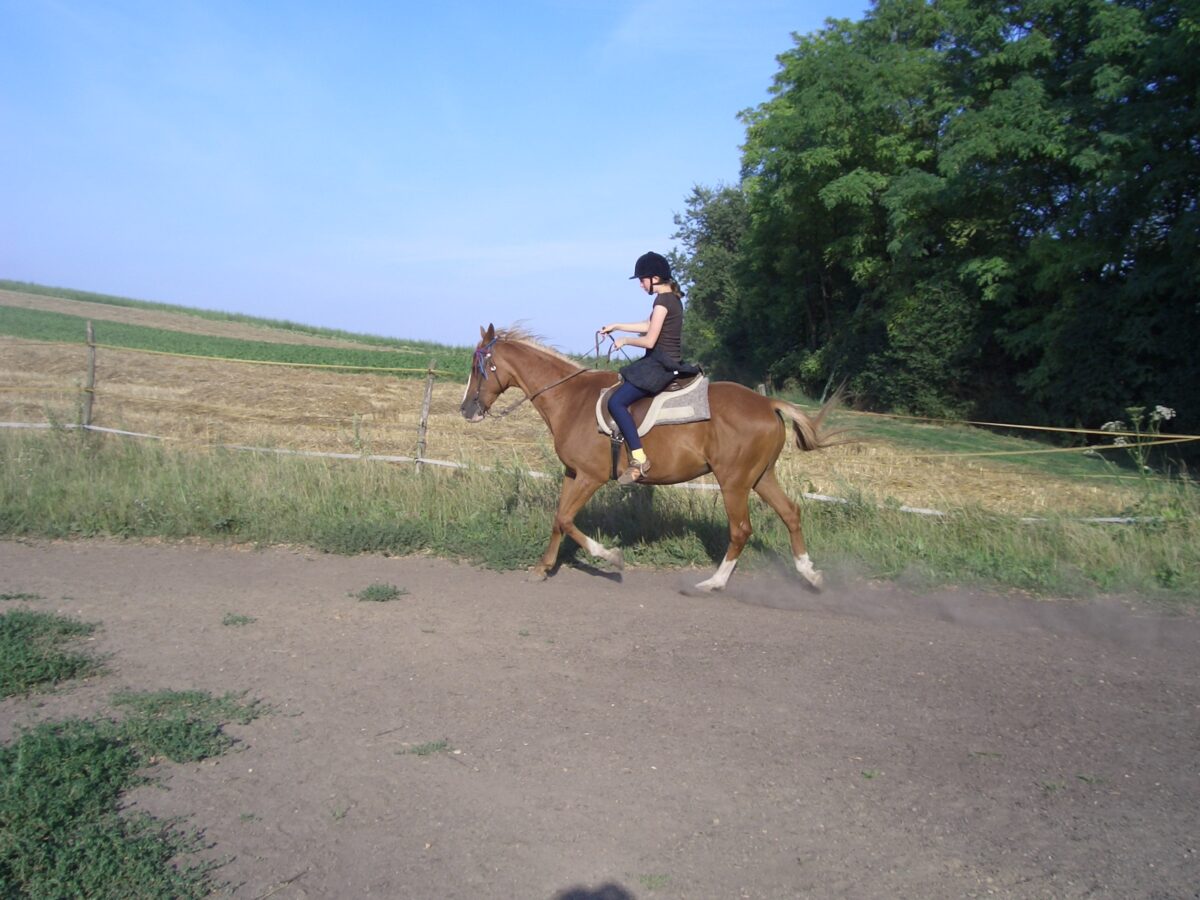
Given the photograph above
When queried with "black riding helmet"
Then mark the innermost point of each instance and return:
(650, 264)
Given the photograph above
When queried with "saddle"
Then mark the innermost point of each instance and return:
(683, 400)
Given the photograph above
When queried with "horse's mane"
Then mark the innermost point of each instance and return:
(518, 334)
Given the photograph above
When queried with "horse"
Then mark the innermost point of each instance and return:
(739, 444)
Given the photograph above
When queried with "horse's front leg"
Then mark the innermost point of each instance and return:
(576, 491)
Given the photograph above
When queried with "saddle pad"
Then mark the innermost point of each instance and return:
(672, 407)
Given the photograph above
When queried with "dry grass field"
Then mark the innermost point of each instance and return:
(202, 402)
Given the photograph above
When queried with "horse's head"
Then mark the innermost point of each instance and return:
(487, 382)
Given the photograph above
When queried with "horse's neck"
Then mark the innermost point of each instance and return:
(544, 378)
(534, 369)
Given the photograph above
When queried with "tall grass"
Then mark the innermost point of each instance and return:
(66, 484)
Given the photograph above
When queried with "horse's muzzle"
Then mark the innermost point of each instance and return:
(472, 410)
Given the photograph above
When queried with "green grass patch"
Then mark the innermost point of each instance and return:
(427, 749)
(381, 593)
(43, 325)
(236, 619)
(184, 726)
(33, 653)
(19, 595)
(61, 832)
(66, 484)
(24, 287)
(1043, 453)
(655, 881)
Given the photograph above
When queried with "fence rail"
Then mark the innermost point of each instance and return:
(90, 394)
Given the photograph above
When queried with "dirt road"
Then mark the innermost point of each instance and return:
(586, 737)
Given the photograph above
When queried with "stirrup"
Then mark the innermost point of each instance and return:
(634, 473)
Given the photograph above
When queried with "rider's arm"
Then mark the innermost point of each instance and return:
(649, 334)
(636, 327)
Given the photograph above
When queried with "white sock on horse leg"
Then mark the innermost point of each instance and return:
(598, 550)
(720, 577)
(810, 573)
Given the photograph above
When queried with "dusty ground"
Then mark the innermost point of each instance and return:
(620, 739)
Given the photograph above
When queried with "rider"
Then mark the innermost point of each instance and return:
(662, 337)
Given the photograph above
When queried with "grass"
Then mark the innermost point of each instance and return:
(427, 749)
(1047, 457)
(25, 287)
(61, 830)
(32, 651)
(654, 882)
(44, 325)
(184, 726)
(66, 484)
(381, 593)
(236, 619)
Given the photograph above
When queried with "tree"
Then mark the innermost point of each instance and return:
(968, 205)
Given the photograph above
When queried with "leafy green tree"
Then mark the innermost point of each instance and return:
(712, 230)
(968, 206)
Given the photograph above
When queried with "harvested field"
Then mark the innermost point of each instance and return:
(204, 402)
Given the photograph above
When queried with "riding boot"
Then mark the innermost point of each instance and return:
(635, 472)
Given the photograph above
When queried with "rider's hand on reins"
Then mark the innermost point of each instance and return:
(601, 334)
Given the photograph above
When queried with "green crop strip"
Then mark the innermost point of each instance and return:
(51, 326)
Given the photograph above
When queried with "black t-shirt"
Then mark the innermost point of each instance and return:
(670, 338)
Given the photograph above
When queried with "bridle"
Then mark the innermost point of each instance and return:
(483, 364)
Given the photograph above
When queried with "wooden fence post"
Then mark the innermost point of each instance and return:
(421, 429)
(89, 388)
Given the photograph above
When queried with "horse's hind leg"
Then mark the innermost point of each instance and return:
(576, 491)
(737, 507)
(769, 489)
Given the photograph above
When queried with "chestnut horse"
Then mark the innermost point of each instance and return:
(739, 444)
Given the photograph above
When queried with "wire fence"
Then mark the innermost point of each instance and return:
(339, 424)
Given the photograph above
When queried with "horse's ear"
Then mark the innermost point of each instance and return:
(491, 333)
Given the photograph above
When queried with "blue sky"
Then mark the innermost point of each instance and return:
(405, 169)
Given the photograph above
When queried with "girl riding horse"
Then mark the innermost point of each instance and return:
(662, 338)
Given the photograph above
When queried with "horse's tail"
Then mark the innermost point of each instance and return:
(811, 431)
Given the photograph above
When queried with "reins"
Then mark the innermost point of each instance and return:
(537, 393)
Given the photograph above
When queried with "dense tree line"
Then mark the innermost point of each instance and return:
(967, 207)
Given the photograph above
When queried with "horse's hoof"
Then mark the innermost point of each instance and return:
(536, 574)
(809, 572)
(705, 587)
(617, 558)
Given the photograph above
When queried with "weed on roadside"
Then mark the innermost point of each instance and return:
(61, 831)
(654, 882)
(380, 593)
(184, 726)
(32, 654)
(427, 749)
